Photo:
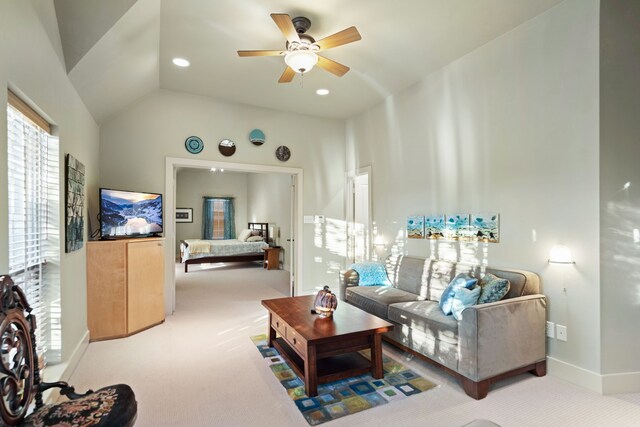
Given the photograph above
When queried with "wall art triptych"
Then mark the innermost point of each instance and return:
(481, 227)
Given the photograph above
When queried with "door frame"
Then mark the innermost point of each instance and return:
(350, 205)
(171, 167)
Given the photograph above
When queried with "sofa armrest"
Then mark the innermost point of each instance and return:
(498, 337)
(348, 278)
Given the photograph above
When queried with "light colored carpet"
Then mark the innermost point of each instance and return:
(200, 368)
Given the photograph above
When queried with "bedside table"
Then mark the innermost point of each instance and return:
(272, 258)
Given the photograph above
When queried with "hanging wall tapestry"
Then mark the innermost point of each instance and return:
(75, 204)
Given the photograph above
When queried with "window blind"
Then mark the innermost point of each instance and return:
(34, 224)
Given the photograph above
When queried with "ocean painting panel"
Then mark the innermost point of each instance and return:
(485, 227)
(415, 227)
(434, 226)
(456, 226)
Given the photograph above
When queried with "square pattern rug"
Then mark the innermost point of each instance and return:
(348, 396)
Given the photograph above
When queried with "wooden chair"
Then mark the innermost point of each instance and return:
(20, 381)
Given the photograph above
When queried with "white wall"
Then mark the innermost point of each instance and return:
(269, 198)
(193, 184)
(620, 207)
(30, 64)
(512, 127)
(136, 141)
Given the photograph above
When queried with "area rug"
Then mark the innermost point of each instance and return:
(345, 397)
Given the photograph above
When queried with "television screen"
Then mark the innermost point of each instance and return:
(129, 213)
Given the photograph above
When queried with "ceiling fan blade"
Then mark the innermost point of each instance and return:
(287, 76)
(348, 35)
(260, 52)
(332, 66)
(283, 21)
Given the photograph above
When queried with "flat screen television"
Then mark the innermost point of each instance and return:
(129, 214)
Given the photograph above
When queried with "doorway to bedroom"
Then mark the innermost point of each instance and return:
(209, 199)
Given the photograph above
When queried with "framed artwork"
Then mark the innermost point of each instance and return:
(184, 214)
(456, 226)
(74, 220)
(485, 227)
(415, 227)
(434, 226)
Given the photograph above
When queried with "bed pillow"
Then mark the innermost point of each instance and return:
(371, 274)
(244, 235)
(462, 280)
(255, 239)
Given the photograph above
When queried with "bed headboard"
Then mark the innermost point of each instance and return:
(262, 228)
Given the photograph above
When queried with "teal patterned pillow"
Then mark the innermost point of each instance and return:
(464, 298)
(494, 288)
(371, 274)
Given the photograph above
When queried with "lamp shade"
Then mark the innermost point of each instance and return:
(560, 254)
(301, 61)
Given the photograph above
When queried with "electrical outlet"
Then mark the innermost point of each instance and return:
(551, 329)
(561, 332)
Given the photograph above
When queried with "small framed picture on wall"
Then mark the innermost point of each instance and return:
(184, 215)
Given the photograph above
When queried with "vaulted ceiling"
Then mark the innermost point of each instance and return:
(117, 51)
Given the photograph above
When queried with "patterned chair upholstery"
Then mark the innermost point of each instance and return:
(20, 381)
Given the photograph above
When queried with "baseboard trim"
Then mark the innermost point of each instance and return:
(63, 371)
(627, 382)
(574, 374)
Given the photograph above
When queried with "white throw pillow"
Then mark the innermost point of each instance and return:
(255, 239)
(244, 235)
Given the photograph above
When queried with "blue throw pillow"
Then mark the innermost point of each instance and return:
(460, 281)
(464, 298)
(494, 288)
(371, 274)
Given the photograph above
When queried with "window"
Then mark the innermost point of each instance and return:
(218, 218)
(34, 224)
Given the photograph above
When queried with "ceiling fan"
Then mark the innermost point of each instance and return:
(300, 53)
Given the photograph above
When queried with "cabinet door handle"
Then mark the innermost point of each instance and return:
(277, 324)
(294, 341)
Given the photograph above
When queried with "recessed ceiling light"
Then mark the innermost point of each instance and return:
(181, 62)
(322, 92)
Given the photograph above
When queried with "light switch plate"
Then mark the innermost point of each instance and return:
(561, 332)
(551, 329)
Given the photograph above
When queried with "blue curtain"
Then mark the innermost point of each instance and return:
(208, 213)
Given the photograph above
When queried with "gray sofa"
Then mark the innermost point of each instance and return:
(491, 342)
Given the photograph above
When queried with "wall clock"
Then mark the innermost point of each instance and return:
(283, 153)
(256, 137)
(227, 147)
(193, 144)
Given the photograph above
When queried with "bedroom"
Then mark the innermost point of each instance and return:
(256, 198)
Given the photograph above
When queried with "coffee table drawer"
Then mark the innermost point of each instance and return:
(279, 325)
(296, 341)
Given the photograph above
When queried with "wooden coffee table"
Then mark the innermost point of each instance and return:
(324, 350)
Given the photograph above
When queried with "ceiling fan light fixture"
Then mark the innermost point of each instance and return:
(301, 61)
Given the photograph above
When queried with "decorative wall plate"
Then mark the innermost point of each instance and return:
(227, 147)
(283, 153)
(193, 144)
(256, 136)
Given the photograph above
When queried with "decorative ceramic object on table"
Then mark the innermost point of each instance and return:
(325, 302)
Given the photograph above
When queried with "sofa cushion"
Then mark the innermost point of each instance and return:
(371, 274)
(493, 288)
(440, 275)
(426, 317)
(462, 280)
(376, 299)
(522, 282)
(409, 274)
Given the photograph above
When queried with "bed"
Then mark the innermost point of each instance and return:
(197, 251)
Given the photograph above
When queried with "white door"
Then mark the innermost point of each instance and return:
(359, 214)
(291, 244)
